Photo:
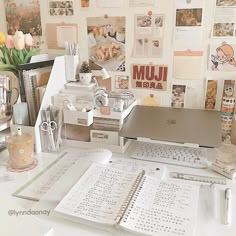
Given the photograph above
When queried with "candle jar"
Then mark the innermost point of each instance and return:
(21, 150)
(227, 152)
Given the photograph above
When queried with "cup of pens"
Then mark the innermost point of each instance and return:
(71, 61)
(50, 129)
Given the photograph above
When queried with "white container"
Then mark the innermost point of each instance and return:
(78, 117)
(71, 67)
(105, 137)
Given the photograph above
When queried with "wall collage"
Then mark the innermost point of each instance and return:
(177, 53)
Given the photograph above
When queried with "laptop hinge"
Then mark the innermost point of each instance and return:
(143, 139)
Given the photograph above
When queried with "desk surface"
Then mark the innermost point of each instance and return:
(210, 209)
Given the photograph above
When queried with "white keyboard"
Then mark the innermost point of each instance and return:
(171, 154)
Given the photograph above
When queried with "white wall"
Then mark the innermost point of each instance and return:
(196, 98)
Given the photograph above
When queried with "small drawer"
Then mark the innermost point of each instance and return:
(106, 137)
(78, 117)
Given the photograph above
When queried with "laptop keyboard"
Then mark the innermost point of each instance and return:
(171, 154)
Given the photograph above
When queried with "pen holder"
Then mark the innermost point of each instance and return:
(50, 135)
(71, 67)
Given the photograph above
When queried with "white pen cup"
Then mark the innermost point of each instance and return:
(71, 67)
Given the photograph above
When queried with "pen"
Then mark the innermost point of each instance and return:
(227, 205)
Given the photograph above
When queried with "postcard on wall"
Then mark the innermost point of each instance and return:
(188, 25)
(178, 94)
(149, 77)
(221, 57)
(24, 16)
(224, 25)
(211, 93)
(142, 3)
(121, 82)
(106, 43)
(228, 90)
(109, 3)
(148, 36)
(187, 64)
(85, 3)
(60, 8)
(58, 34)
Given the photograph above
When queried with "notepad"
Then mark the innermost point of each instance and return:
(133, 201)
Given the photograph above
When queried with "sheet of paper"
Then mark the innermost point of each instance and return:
(178, 95)
(59, 33)
(211, 94)
(188, 24)
(61, 8)
(142, 3)
(98, 195)
(64, 34)
(148, 35)
(106, 42)
(224, 25)
(154, 169)
(222, 57)
(108, 3)
(167, 209)
(187, 65)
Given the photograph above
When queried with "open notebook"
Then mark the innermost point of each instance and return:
(133, 201)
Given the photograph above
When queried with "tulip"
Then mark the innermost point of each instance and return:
(9, 42)
(19, 40)
(29, 40)
(2, 38)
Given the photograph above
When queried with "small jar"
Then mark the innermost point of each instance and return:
(21, 150)
(227, 151)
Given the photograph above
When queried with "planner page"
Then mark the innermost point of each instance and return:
(162, 208)
(98, 195)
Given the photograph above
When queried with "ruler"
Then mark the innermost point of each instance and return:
(200, 178)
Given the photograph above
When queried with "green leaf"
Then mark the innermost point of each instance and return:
(6, 56)
(16, 57)
(31, 53)
(21, 56)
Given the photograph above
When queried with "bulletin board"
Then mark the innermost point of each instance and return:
(166, 52)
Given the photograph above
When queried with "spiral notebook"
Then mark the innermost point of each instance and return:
(132, 201)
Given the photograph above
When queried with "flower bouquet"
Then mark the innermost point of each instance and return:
(15, 50)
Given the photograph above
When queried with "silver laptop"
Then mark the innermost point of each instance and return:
(179, 125)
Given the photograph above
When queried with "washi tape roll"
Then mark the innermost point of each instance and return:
(227, 107)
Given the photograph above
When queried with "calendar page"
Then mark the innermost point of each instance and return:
(163, 208)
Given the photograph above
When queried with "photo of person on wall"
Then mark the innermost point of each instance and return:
(223, 59)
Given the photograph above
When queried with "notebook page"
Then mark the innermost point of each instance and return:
(168, 209)
(128, 164)
(98, 195)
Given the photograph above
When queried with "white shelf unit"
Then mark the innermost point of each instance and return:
(56, 82)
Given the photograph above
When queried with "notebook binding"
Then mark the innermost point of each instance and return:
(133, 194)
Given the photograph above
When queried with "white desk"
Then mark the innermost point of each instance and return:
(210, 219)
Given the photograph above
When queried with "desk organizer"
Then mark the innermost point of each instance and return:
(78, 117)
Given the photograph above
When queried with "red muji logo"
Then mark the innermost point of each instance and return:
(149, 76)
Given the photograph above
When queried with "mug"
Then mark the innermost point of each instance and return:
(85, 78)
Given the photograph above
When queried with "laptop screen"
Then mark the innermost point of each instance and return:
(179, 125)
